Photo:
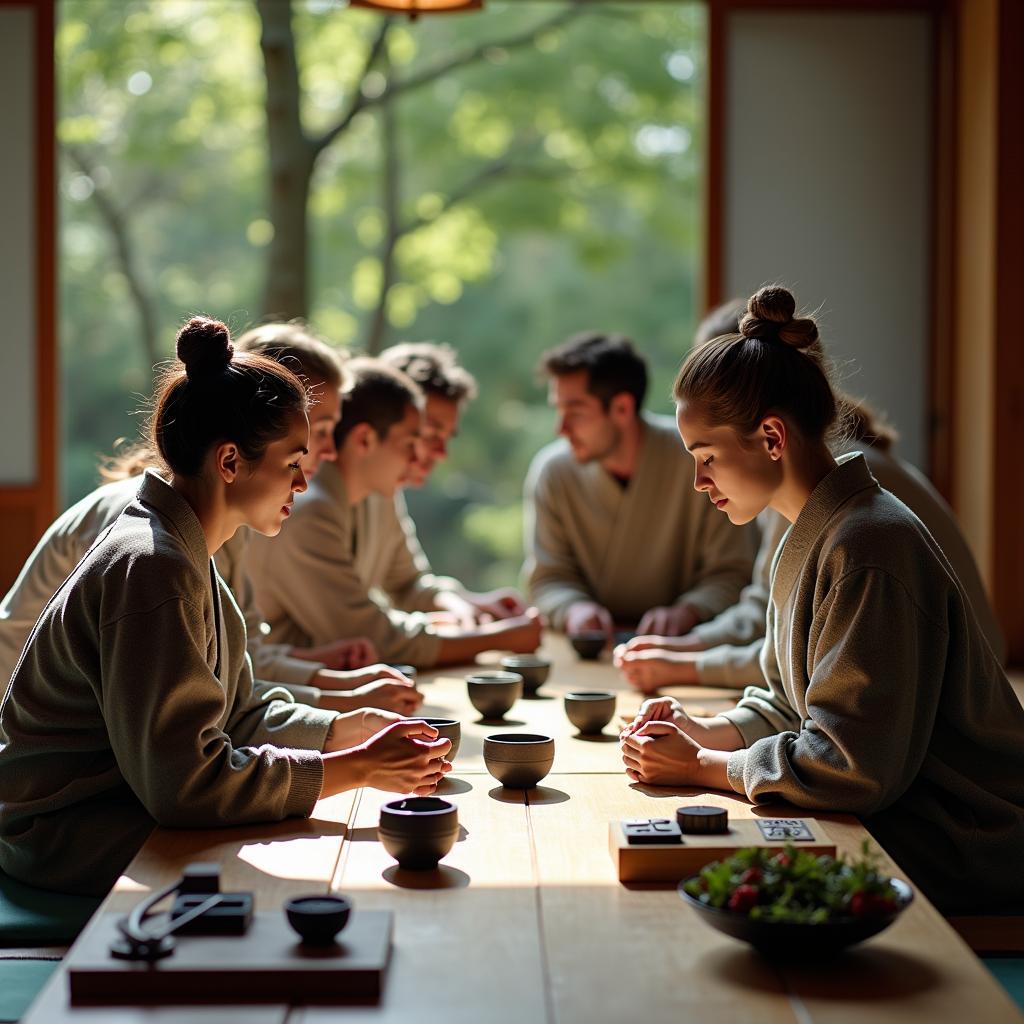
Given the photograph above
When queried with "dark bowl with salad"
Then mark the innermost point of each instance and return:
(795, 905)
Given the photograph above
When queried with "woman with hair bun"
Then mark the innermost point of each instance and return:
(133, 704)
(883, 697)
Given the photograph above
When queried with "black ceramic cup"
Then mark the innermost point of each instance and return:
(588, 645)
(494, 693)
(519, 760)
(590, 710)
(447, 728)
(418, 830)
(317, 919)
(534, 670)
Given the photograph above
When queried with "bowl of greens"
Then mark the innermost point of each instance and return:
(794, 904)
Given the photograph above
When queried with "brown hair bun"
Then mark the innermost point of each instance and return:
(770, 316)
(204, 346)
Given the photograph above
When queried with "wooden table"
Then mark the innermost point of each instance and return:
(525, 920)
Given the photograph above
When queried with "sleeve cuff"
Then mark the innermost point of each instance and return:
(307, 782)
(735, 769)
(731, 666)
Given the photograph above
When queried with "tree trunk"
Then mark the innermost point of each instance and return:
(376, 337)
(291, 157)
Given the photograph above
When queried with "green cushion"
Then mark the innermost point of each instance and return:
(20, 982)
(38, 917)
(1009, 972)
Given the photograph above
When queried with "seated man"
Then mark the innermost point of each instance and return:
(320, 575)
(615, 532)
(446, 387)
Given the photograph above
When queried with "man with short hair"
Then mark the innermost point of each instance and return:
(324, 574)
(447, 387)
(615, 532)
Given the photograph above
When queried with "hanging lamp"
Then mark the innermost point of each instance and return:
(416, 7)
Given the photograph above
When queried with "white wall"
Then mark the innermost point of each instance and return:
(17, 250)
(828, 170)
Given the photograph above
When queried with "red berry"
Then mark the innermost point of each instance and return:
(783, 860)
(743, 898)
(752, 876)
(868, 904)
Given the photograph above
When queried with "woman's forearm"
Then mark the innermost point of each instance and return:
(716, 734)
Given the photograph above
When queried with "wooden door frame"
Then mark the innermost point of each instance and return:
(27, 509)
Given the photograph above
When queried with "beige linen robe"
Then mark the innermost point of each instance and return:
(315, 580)
(74, 532)
(655, 542)
(740, 629)
(133, 705)
(884, 698)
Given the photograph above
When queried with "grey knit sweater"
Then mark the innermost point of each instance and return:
(884, 698)
(133, 705)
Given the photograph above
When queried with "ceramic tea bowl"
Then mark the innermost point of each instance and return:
(418, 830)
(494, 693)
(590, 710)
(519, 760)
(588, 645)
(317, 919)
(534, 670)
(447, 728)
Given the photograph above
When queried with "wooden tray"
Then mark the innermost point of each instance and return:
(672, 862)
(266, 965)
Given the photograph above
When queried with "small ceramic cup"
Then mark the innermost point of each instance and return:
(494, 693)
(590, 710)
(588, 645)
(447, 728)
(317, 919)
(534, 670)
(418, 830)
(519, 760)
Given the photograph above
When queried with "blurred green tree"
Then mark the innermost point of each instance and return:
(496, 181)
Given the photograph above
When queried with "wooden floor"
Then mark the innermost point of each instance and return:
(525, 920)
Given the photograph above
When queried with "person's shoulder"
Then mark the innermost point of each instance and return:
(84, 521)
(139, 563)
(875, 530)
(323, 496)
(554, 461)
(663, 428)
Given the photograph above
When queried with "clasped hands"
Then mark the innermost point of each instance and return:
(664, 746)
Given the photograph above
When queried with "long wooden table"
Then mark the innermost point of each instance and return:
(525, 920)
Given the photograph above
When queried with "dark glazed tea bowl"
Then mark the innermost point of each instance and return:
(447, 728)
(533, 669)
(519, 760)
(590, 710)
(494, 693)
(588, 645)
(418, 830)
(318, 919)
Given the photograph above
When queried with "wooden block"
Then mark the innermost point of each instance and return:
(671, 862)
(266, 965)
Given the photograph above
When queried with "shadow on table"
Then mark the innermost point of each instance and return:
(870, 973)
(601, 737)
(452, 787)
(541, 795)
(499, 723)
(442, 877)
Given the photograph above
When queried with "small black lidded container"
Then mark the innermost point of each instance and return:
(701, 819)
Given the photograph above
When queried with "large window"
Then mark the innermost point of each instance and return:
(497, 181)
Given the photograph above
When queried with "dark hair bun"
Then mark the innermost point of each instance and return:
(770, 316)
(204, 346)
